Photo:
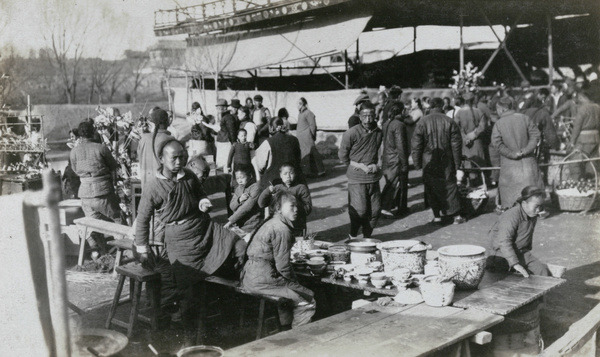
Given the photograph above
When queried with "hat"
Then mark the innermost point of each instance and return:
(221, 103)
(258, 97)
(395, 91)
(236, 103)
(159, 116)
(363, 97)
(195, 105)
(525, 84)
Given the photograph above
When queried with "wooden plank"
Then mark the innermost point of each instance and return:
(317, 334)
(509, 294)
(577, 336)
(423, 335)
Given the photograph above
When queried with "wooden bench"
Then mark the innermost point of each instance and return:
(233, 285)
(89, 224)
(137, 276)
(580, 340)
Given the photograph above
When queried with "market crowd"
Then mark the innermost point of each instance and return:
(265, 169)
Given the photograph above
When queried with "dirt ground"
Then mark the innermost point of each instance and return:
(566, 239)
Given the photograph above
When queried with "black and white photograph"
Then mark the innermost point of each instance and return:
(291, 178)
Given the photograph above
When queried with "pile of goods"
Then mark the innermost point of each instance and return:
(118, 132)
(23, 154)
(581, 188)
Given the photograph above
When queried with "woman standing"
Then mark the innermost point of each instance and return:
(268, 269)
(306, 132)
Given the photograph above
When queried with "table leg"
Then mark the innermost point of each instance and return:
(82, 240)
(117, 261)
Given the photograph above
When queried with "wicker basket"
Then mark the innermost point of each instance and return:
(575, 203)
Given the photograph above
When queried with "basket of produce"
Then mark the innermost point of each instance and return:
(576, 195)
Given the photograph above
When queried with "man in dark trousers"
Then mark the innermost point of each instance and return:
(227, 136)
(396, 148)
(359, 150)
(437, 149)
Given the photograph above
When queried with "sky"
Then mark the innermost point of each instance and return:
(119, 25)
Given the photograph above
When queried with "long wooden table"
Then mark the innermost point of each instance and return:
(375, 330)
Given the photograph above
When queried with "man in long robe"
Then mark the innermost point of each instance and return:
(306, 132)
(437, 149)
(471, 123)
(359, 150)
(396, 150)
(196, 246)
(516, 137)
(585, 136)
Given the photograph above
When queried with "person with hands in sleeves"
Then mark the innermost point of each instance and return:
(268, 269)
(244, 203)
(196, 246)
(360, 150)
(300, 191)
(512, 236)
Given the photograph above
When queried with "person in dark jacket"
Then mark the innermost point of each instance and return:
(512, 236)
(539, 112)
(287, 173)
(96, 167)
(395, 166)
(279, 149)
(227, 134)
(359, 150)
(436, 148)
(585, 136)
(244, 202)
(196, 246)
(268, 269)
(239, 155)
(394, 105)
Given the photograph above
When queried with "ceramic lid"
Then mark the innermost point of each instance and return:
(461, 250)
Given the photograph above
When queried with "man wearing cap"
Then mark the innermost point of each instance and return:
(437, 150)
(227, 134)
(516, 137)
(235, 107)
(359, 150)
(355, 118)
(524, 100)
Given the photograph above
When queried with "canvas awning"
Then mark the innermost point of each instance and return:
(308, 37)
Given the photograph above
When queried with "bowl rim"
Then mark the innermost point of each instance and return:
(461, 250)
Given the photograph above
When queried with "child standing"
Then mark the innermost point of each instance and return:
(239, 155)
(246, 213)
(287, 173)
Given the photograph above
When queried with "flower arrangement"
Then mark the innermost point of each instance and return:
(117, 133)
(467, 80)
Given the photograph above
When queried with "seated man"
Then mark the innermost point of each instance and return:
(196, 246)
(512, 236)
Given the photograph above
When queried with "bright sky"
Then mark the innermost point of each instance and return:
(127, 24)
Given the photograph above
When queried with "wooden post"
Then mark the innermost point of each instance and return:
(415, 39)
(346, 68)
(462, 45)
(550, 50)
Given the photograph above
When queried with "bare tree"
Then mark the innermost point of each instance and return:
(66, 26)
(117, 79)
(100, 74)
(14, 73)
(138, 62)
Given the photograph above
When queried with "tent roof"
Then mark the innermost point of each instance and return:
(410, 13)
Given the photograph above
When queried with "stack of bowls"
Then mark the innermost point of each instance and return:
(316, 265)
